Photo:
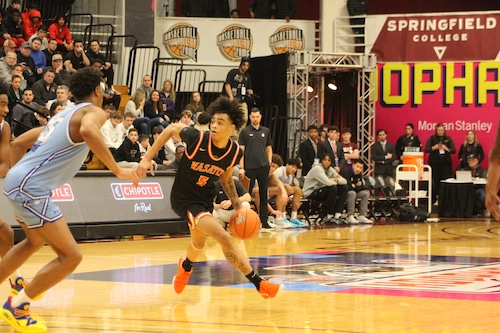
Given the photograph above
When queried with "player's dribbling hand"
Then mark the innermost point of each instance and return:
(144, 166)
(129, 174)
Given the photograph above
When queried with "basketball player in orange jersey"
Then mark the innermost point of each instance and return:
(210, 156)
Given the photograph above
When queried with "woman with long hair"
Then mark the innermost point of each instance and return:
(195, 105)
(153, 109)
(167, 95)
(471, 146)
(136, 106)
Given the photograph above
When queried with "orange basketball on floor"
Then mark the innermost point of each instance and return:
(244, 224)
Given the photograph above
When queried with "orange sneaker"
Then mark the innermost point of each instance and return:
(181, 278)
(268, 289)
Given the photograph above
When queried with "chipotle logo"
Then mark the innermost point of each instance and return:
(63, 193)
(125, 191)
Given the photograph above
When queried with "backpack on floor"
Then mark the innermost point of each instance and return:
(409, 213)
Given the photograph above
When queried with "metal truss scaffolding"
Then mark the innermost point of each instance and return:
(308, 69)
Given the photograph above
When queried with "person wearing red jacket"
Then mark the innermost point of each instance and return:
(31, 25)
(60, 31)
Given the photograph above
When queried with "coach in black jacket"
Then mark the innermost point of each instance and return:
(384, 154)
(333, 147)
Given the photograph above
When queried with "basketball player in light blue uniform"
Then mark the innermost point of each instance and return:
(56, 155)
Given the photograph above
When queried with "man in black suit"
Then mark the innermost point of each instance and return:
(308, 149)
(384, 154)
(334, 148)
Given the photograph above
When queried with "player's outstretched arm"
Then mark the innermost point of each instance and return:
(22, 143)
(227, 182)
(5, 149)
(172, 130)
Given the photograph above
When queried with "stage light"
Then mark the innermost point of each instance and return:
(332, 85)
(310, 89)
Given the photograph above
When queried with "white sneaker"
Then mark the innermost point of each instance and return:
(364, 219)
(352, 220)
(281, 224)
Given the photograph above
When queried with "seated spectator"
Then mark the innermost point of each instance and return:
(167, 96)
(38, 57)
(153, 109)
(12, 24)
(128, 154)
(170, 148)
(477, 172)
(15, 93)
(109, 109)
(45, 88)
(41, 33)
(111, 133)
(60, 31)
(17, 69)
(146, 86)
(127, 124)
(23, 58)
(76, 58)
(14, 5)
(235, 13)
(50, 51)
(136, 106)
(286, 174)
(144, 145)
(107, 68)
(356, 191)
(61, 74)
(179, 152)
(223, 209)
(6, 64)
(62, 97)
(203, 121)
(8, 45)
(195, 105)
(160, 158)
(25, 106)
(110, 97)
(31, 120)
(186, 118)
(324, 184)
(55, 108)
(32, 23)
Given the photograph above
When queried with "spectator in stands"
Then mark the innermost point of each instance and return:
(284, 9)
(15, 93)
(351, 150)
(384, 155)
(161, 157)
(470, 146)
(144, 145)
(8, 46)
(111, 134)
(146, 86)
(60, 31)
(41, 33)
(186, 118)
(38, 57)
(202, 122)
(14, 5)
(6, 64)
(179, 152)
(153, 109)
(477, 172)
(409, 139)
(260, 9)
(45, 88)
(23, 58)
(128, 154)
(108, 109)
(223, 209)
(17, 69)
(61, 74)
(94, 53)
(31, 120)
(135, 106)
(76, 58)
(333, 147)
(195, 105)
(26, 105)
(50, 51)
(110, 96)
(31, 24)
(194, 8)
(55, 108)
(356, 191)
(62, 97)
(167, 96)
(127, 123)
(13, 26)
(218, 8)
(286, 174)
(235, 13)
(324, 184)
(238, 84)
(309, 150)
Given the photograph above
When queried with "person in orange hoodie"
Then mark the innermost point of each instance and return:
(31, 24)
(60, 31)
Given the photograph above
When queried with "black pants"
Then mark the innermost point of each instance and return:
(439, 172)
(333, 198)
(262, 177)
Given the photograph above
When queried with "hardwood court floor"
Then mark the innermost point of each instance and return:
(411, 278)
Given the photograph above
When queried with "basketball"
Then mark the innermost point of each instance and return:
(244, 224)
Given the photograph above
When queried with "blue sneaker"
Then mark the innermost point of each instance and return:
(298, 223)
(19, 284)
(20, 318)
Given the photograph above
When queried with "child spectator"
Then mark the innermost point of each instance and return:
(128, 155)
(143, 144)
(127, 124)
(111, 133)
(186, 118)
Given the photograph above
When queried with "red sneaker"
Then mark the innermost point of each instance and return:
(268, 289)
(181, 279)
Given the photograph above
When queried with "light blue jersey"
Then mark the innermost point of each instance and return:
(54, 159)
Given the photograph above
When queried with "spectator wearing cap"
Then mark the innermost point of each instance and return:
(23, 57)
(38, 57)
(477, 172)
(239, 85)
(31, 25)
(41, 33)
(60, 31)
(62, 75)
(8, 46)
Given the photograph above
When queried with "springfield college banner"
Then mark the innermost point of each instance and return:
(442, 68)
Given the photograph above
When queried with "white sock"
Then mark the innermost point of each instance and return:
(294, 215)
(337, 215)
(283, 215)
(20, 298)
